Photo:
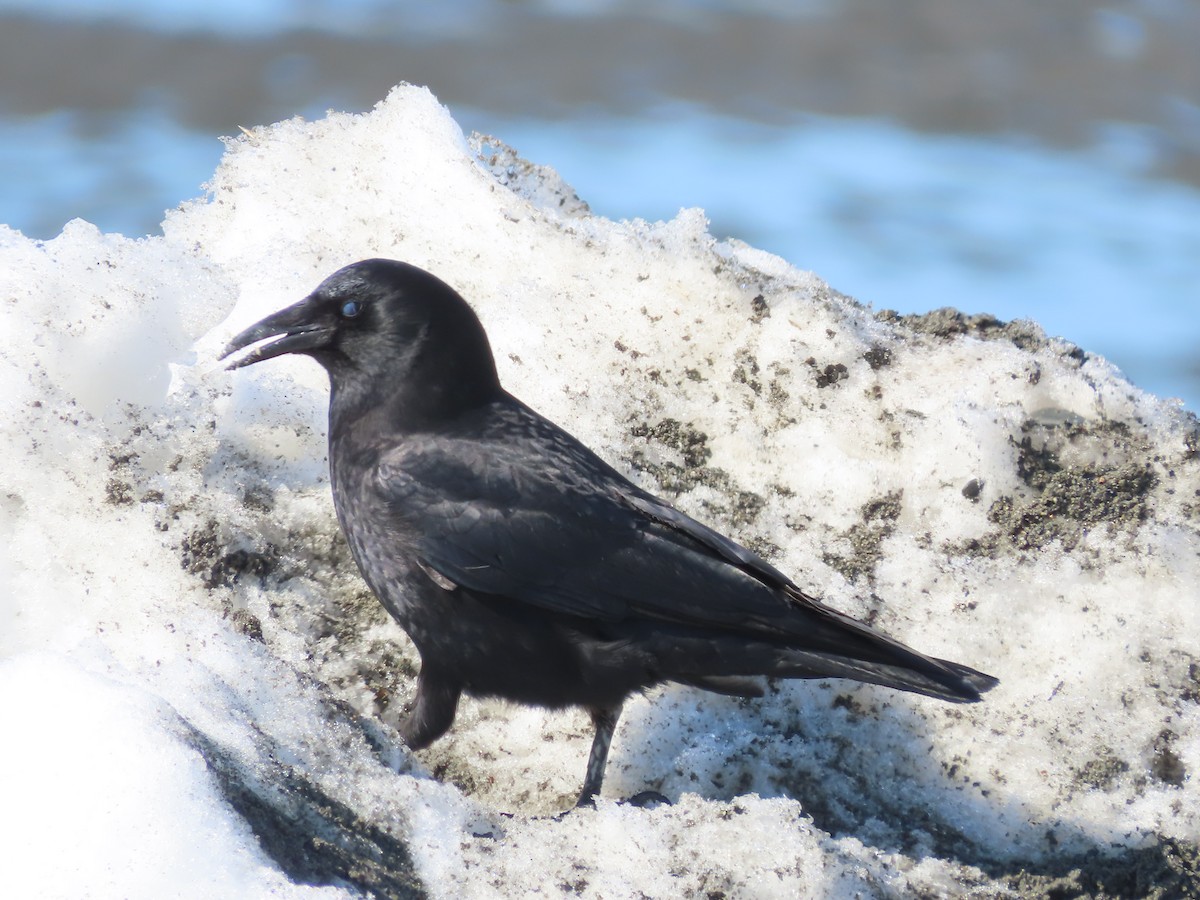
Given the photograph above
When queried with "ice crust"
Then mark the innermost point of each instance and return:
(198, 691)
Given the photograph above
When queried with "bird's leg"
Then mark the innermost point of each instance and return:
(432, 712)
(605, 721)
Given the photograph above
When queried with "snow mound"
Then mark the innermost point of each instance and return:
(199, 692)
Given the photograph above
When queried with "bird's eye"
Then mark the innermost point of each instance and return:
(350, 309)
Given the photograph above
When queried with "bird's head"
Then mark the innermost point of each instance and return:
(387, 333)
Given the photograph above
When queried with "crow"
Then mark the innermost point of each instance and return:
(521, 564)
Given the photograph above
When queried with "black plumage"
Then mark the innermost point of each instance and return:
(521, 564)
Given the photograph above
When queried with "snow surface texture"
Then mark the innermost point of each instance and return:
(197, 691)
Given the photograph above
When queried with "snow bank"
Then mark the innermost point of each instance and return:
(197, 690)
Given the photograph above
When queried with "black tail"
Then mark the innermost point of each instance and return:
(811, 640)
(727, 664)
(918, 674)
(831, 644)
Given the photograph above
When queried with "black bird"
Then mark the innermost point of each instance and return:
(521, 564)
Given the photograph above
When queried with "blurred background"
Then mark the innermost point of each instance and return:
(1028, 159)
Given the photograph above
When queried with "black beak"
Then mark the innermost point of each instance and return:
(303, 327)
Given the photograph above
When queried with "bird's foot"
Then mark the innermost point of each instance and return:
(647, 800)
(642, 800)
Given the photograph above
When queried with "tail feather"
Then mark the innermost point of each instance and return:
(980, 681)
(730, 665)
(936, 678)
(811, 641)
(829, 639)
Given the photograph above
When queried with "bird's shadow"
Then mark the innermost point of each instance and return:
(862, 762)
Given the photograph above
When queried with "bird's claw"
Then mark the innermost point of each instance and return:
(641, 800)
(647, 800)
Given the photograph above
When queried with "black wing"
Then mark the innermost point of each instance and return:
(518, 508)
(527, 512)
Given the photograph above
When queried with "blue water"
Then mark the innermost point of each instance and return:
(240, 17)
(120, 172)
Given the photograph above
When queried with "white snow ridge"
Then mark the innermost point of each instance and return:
(196, 686)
